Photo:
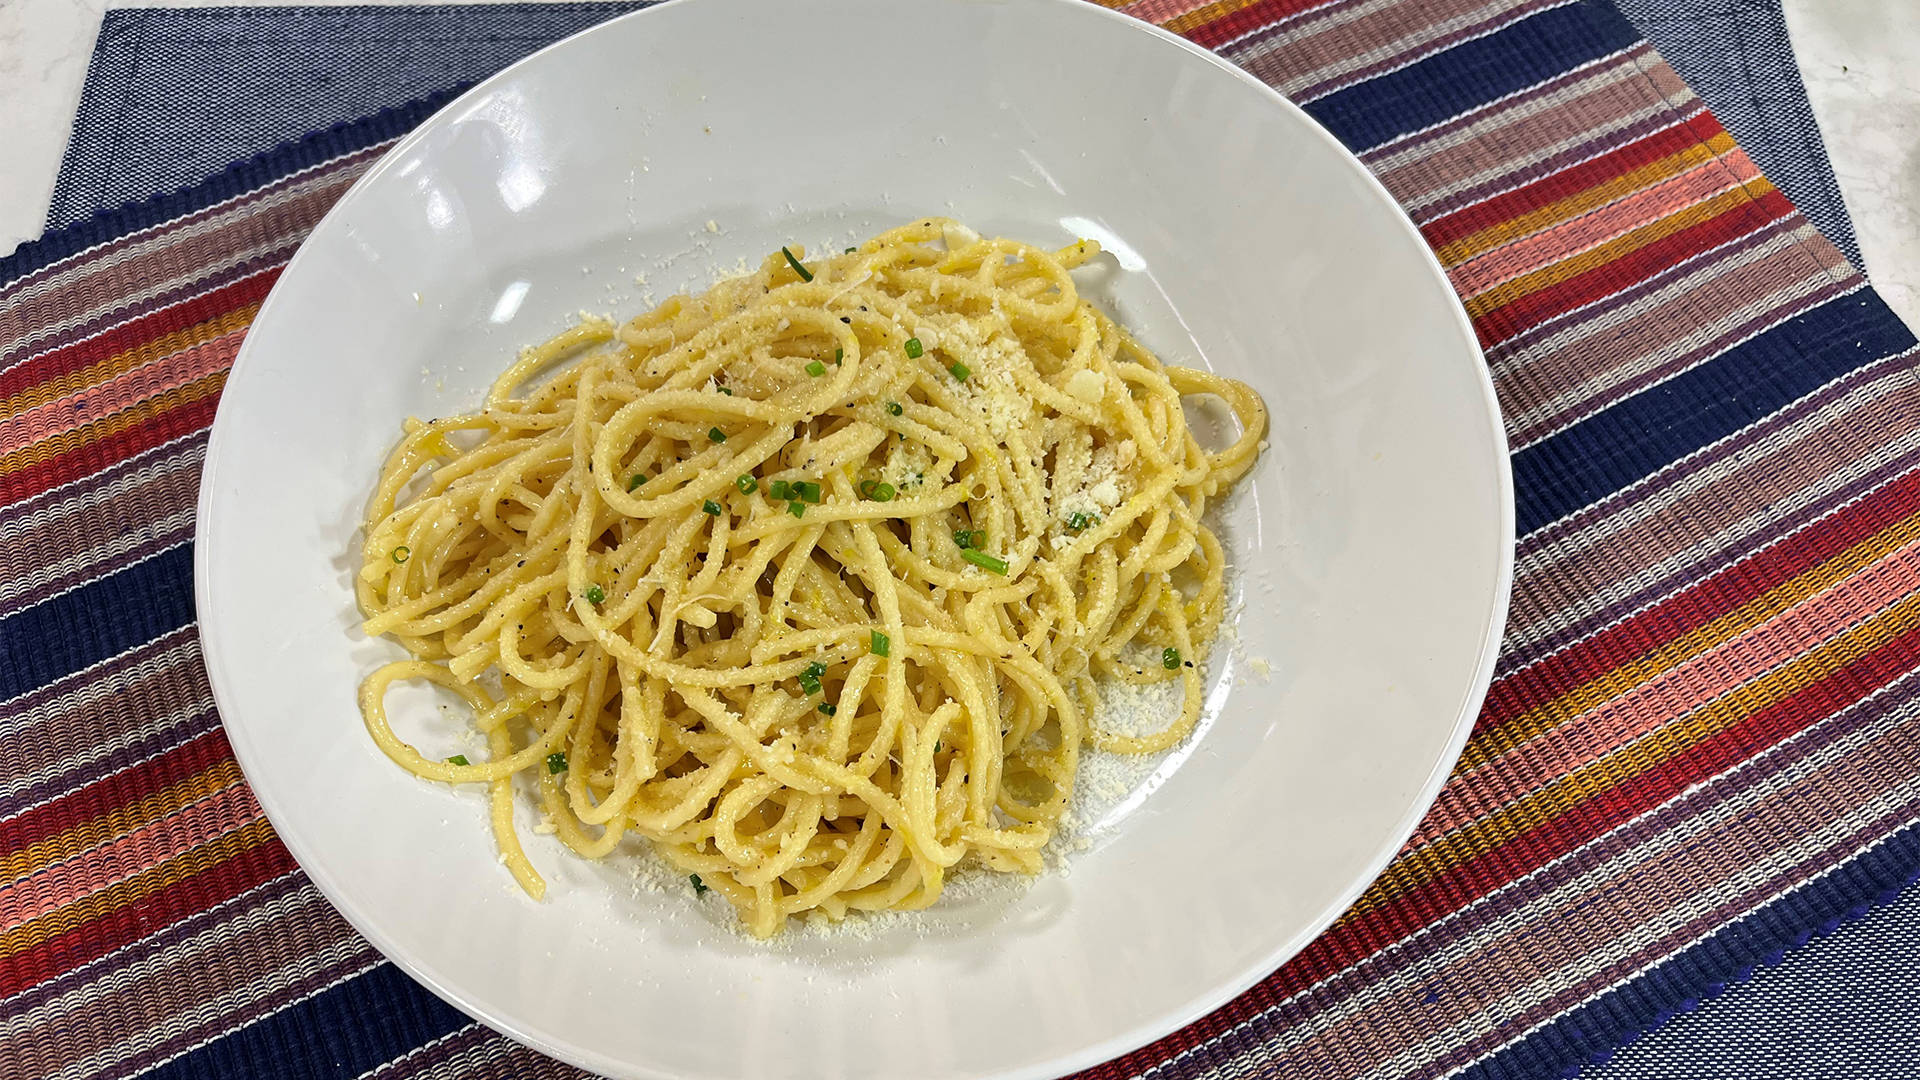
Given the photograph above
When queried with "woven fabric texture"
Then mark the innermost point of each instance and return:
(174, 95)
(1701, 745)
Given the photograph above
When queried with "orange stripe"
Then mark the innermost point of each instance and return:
(1536, 721)
(1583, 202)
(1612, 251)
(120, 363)
(118, 821)
(107, 427)
(1200, 17)
(1421, 865)
(136, 888)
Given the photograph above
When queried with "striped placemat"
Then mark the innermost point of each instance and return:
(1700, 746)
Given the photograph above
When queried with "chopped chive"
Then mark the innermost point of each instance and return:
(816, 369)
(838, 355)
(746, 483)
(866, 488)
(959, 371)
(894, 409)
(962, 539)
(936, 746)
(401, 554)
(724, 390)
(849, 251)
(699, 887)
(809, 685)
(914, 348)
(883, 492)
(714, 434)
(881, 645)
(985, 561)
(795, 263)
(595, 594)
(806, 490)
(636, 480)
(1078, 521)
(827, 707)
(458, 759)
(813, 670)
(797, 508)
(711, 507)
(1170, 659)
(779, 489)
(556, 763)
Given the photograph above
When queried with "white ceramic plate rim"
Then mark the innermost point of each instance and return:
(1084, 1057)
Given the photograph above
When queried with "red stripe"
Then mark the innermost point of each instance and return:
(1687, 611)
(44, 476)
(114, 793)
(1360, 935)
(1527, 312)
(1247, 20)
(1555, 186)
(127, 924)
(171, 319)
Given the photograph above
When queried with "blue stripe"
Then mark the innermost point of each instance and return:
(1647, 432)
(237, 179)
(337, 1034)
(1468, 76)
(98, 620)
(1590, 1032)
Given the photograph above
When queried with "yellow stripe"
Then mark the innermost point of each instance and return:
(1536, 721)
(1180, 24)
(122, 362)
(136, 888)
(107, 427)
(119, 821)
(1584, 202)
(1617, 248)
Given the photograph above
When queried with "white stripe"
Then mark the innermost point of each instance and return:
(16, 521)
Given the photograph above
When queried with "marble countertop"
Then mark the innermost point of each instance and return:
(1860, 58)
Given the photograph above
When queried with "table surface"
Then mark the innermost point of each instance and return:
(1861, 59)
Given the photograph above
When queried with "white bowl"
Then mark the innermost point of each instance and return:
(1372, 548)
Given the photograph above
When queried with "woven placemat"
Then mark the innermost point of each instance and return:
(1700, 746)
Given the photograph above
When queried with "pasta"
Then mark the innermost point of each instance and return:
(808, 580)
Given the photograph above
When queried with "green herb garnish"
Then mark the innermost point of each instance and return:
(813, 670)
(827, 708)
(806, 491)
(746, 483)
(809, 685)
(881, 645)
(816, 369)
(894, 409)
(710, 507)
(838, 355)
(883, 492)
(795, 263)
(1078, 521)
(714, 434)
(556, 764)
(779, 489)
(914, 348)
(959, 371)
(962, 538)
(401, 554)
(636, 480)
(1170, 659)
(458, 759)
(595, 594)
(699, 887)
(797, 508)
(985, 561)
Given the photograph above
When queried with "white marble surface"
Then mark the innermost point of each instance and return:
(1861, 59)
